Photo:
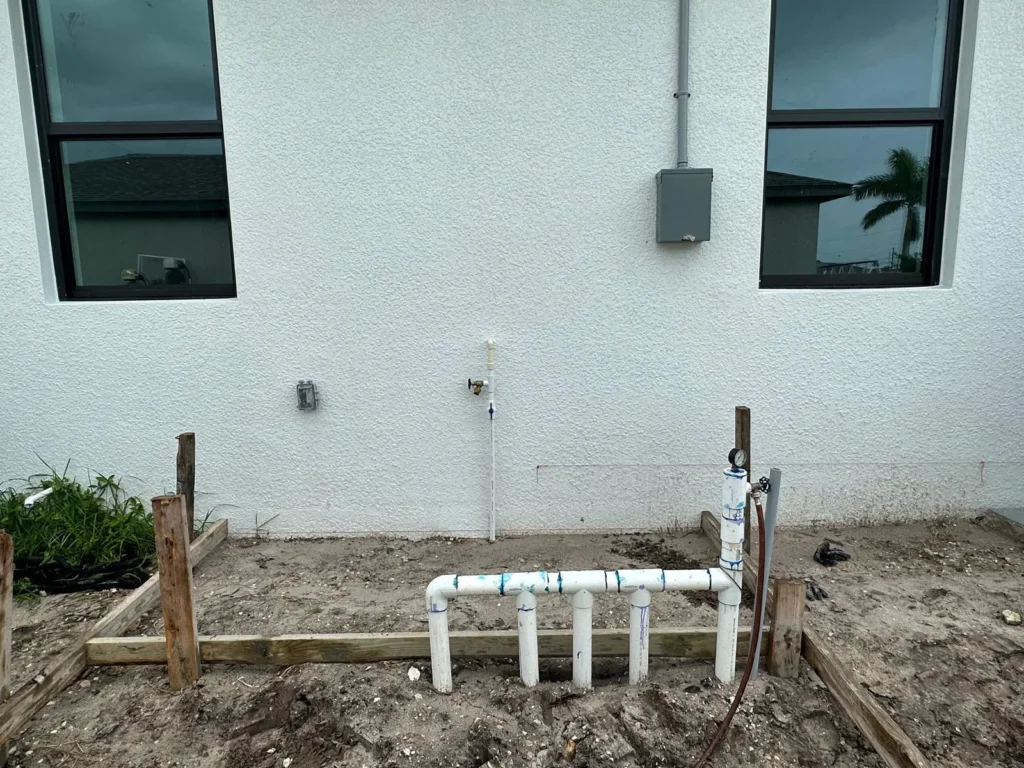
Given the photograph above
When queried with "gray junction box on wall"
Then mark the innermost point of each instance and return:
(684, 205)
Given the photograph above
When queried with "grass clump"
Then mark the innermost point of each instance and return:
(79, 537)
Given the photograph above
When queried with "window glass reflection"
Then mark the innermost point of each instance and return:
(841, 54)
(112, 60)
(152, 212)
(845, 200)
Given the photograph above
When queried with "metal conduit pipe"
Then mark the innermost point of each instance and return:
(683, 94)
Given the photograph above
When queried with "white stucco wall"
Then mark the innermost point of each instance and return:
(409, 178)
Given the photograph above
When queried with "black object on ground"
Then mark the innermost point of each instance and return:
(815, 591)
(60, 576)
(828, 555)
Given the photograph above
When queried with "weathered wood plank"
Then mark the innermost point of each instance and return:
(785, 640)
(186, 467)
(889, 740)
(170, 525)
(65, 669)
(285, 650)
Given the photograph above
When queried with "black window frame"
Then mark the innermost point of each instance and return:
(52, 134)
(939, 119)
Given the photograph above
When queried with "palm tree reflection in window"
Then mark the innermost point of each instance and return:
(901, 189)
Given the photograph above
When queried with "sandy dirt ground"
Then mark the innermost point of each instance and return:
(915, 615)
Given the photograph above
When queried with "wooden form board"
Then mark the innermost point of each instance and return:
(285, 650)
(893, 745)
(65, 669)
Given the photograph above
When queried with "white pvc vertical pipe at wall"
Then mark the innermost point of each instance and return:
(492, 392)
(529, 663)
(639, 635)
(734, 501)
(582, 639)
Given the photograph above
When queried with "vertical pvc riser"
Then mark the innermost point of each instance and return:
(734, 492)
(639, 635)
(440, 652)
(492, 387)
(529, 663)
(582, 639)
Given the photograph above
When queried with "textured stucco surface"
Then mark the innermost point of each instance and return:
(409, 178)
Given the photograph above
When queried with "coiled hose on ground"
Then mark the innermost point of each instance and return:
(755, 632)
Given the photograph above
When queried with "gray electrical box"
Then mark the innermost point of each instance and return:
(684, 205)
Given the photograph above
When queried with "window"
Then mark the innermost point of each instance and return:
(860, 108)
(132, 147)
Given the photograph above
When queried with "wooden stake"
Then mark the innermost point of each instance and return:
(785, 642)
(6, 622)
(187, 477)
(742, 440)
(172, 555)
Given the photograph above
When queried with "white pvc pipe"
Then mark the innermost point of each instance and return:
(35, 497)
(537, 583)
(529, 663)
(491, 390)
(734, 493)
(440, 652)
(582, 639)
(639, 632)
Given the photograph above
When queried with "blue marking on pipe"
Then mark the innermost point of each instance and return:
(643, 625)
(544, 575)
(606, 581)
(523, 608)
(501, 583)
(663, 578)
(559, 582)
(455, 583)
(435, 609)
(709, 577)
(618, 582)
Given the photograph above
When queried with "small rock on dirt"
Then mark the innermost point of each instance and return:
(1012, 618)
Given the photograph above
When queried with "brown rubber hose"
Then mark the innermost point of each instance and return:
(754, 633)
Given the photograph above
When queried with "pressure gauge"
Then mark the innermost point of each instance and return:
(737, 457)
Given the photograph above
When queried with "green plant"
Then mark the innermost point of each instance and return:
(78, 537)
(902, 188)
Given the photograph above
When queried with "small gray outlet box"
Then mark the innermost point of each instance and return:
(684, 205)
